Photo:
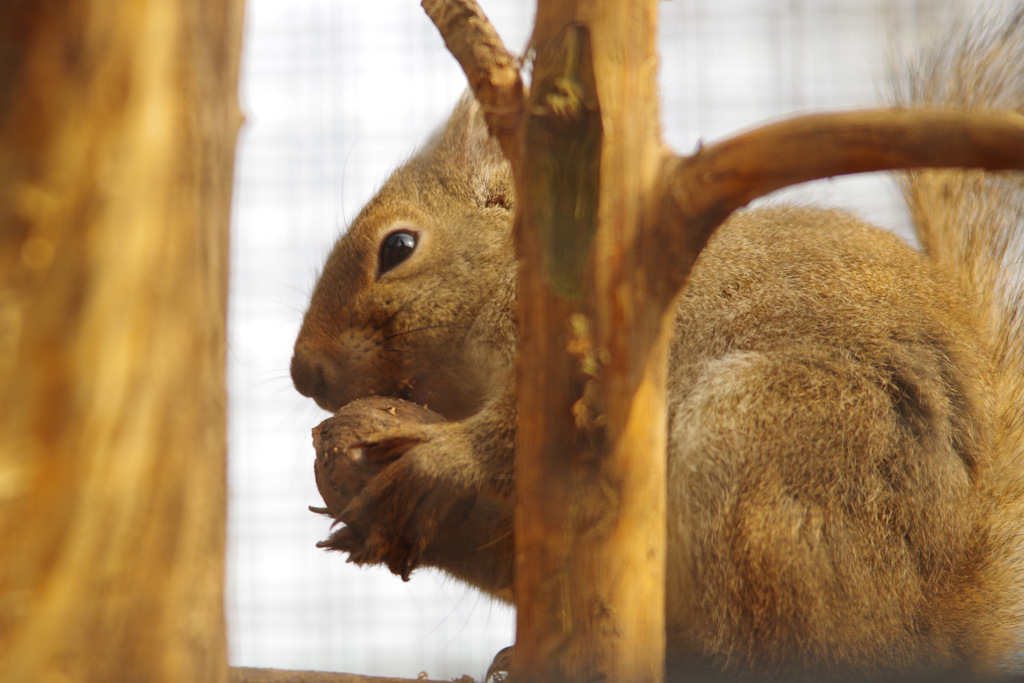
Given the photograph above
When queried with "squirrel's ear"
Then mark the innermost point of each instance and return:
(475, 150)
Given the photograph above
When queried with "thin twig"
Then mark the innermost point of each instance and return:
(492, 71)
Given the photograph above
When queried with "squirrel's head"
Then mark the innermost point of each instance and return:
(417, 298)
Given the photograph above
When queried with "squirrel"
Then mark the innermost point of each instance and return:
(846, 412)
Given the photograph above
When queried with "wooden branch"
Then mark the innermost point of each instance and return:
(249, 675)
(492, 71)
(701, 191)
(806, 148)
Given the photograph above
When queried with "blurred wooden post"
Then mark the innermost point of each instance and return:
(117, 134)
(590, 520)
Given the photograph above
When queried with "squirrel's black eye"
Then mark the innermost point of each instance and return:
(395, 248)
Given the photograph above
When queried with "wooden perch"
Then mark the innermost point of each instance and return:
(251, 675)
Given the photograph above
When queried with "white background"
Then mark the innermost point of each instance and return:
(336, 94)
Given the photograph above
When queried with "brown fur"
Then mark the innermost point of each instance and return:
(846, 413)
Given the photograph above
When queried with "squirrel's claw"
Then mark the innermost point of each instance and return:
(500, 666)
(396, 516)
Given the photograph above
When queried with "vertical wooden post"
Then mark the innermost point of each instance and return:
(590, 519)
(117, 131)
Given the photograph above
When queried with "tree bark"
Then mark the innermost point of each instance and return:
(117, 124)
(590, 518)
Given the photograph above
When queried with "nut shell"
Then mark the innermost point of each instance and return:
(357, 443)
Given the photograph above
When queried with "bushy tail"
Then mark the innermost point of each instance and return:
(973, 223)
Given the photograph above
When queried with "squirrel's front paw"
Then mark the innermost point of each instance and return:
(386, 469)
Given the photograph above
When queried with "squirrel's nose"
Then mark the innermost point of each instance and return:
(308, 374)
